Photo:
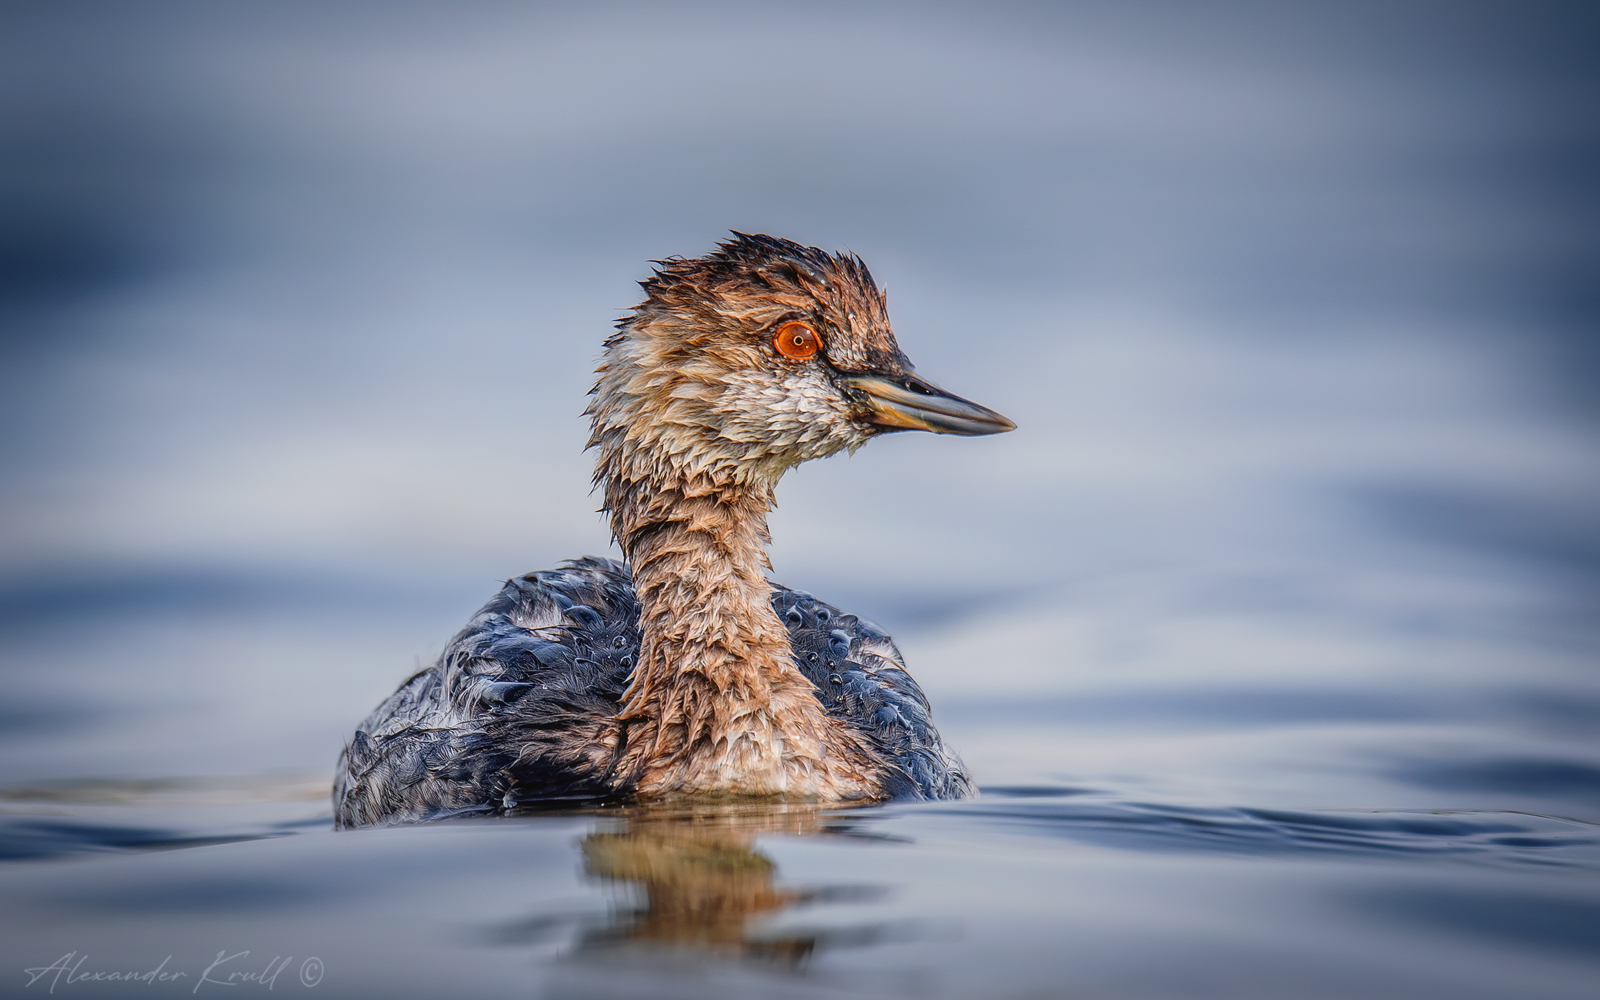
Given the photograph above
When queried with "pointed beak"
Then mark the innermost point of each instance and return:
(908, 403)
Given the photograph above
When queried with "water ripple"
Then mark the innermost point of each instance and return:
(1085, 816)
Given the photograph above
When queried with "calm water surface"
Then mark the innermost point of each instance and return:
(1031, 891)
(1270, 634)
(1230, 840)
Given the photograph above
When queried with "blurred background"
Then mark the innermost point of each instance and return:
(1295, 305)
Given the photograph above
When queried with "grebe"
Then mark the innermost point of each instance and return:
(684, 671)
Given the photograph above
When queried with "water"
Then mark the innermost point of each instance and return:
(1031, 891)
(1269, 635)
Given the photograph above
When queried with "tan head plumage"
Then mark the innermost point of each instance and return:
(694, 394)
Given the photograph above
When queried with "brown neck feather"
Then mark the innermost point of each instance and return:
(716, 703)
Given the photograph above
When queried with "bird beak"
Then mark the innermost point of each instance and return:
(909, 403)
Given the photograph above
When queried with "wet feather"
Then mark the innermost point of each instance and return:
(683, 671)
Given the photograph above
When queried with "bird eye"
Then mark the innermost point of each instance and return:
(797, 341)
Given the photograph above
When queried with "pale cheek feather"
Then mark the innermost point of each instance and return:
(794, 419)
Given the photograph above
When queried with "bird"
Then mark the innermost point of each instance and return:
(683, 670)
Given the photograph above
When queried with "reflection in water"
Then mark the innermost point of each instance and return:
(692, 879)
(702, 884)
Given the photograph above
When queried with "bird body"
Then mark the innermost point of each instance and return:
(686, 671)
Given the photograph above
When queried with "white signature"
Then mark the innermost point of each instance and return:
(224, 970)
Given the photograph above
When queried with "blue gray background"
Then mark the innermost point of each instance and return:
(1294, 305)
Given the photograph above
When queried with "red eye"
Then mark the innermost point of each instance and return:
(797, 341)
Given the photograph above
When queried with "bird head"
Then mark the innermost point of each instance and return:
(764, 354)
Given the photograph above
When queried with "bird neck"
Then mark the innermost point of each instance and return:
(716, 703)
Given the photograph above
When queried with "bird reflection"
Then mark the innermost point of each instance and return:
(702, 883)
